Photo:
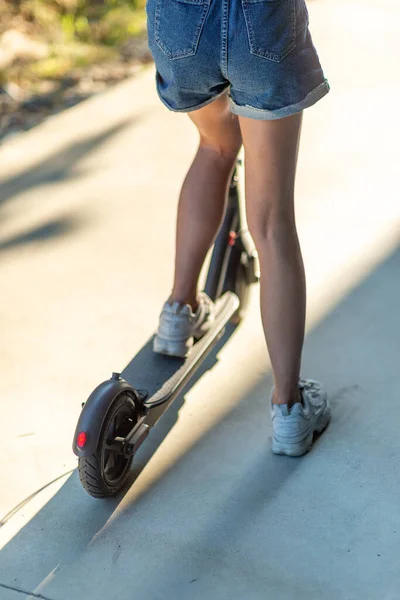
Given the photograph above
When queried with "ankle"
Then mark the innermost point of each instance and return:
(289, 399)
(192, 301)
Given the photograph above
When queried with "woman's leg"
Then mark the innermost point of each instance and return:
(204, 193)
(271, 149)
(270, 158)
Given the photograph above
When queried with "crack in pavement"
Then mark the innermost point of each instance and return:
(21, 504)
(14, 589)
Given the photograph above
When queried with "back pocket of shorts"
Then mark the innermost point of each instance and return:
(178, 26)
(271, 27)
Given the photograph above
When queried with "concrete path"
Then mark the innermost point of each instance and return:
(87, 206)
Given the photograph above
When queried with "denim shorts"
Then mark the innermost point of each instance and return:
(259, 52)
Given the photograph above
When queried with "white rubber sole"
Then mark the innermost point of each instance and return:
(172, 348)
(304, 446)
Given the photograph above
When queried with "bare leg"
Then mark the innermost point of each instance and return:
(271, 149)
(204, 193)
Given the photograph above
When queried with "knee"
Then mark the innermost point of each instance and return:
(223, 152)
(272, 226)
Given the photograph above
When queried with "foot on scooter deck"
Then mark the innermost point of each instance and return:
(153, 381)
(161, 376)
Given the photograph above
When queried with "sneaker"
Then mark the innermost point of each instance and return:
(179, 327)
(294, 428)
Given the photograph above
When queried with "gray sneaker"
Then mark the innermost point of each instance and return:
(293, 430)
(179, 327)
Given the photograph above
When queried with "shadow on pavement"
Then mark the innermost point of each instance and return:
(52, 229)
(72, 502)
(221, 497)
(57, 167)
(139, 366)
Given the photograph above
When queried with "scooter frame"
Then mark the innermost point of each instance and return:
(233, 267)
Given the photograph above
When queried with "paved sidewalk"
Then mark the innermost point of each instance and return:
(87, 207)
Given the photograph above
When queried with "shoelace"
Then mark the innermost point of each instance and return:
(310, 387)
(207, 303)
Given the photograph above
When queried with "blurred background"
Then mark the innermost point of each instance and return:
(55, 53)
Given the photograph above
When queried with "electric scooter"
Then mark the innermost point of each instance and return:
(118, 415)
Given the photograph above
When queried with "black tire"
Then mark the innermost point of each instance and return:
(104, 473)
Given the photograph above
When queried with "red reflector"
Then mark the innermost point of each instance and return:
(81, 441)
(232, 238)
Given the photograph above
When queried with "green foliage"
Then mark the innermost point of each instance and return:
(63, 59)
(43, 14)
(118, 25)
(109, 22)
(78, 32)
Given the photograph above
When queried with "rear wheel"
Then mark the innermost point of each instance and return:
(104, 472)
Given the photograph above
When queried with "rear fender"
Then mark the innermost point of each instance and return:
(95, 410)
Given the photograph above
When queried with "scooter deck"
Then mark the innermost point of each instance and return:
(163, 376)
(155, 380)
